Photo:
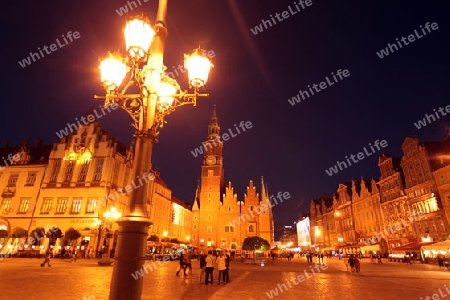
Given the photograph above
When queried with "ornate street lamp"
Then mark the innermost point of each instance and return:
(109, 217)
(139, 84)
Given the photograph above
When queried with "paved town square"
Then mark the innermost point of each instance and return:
(84, 279)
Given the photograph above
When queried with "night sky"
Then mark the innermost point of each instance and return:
(253, 79)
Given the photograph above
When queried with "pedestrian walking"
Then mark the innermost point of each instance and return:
(187, 263)
(380, 262)
(209, 268)
(357, 265)
(441, 261)
(47, 256)
(321, 257)
(409, 260)
(202, 259)
(351, 262)
(181, 260)
(227, 265)
(63, 253)
(74, 255)
(221, 266)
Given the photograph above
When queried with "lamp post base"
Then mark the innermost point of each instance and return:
(129, 258)
(105, 260)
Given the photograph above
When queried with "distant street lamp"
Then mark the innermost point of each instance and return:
(106, 222)
(110, 217)
(148, 95)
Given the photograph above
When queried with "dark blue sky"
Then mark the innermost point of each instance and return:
(253, 78)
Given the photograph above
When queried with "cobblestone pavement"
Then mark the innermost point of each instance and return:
(25, 279)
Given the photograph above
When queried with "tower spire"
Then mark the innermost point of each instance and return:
(213, 127)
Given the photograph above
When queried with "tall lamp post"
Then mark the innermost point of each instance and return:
(148, 96)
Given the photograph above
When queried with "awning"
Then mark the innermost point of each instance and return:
(328, 249)
(412, 246)
(153, 244)
(445, 246)
(374, 247)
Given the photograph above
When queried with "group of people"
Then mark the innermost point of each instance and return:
(377, 256)
(221, 261)
(354, 263)
(49, 254)
(185, 263)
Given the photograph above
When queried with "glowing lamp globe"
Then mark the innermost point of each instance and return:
(138, 37)
(198, 67)
(165, 93)
(112, 71)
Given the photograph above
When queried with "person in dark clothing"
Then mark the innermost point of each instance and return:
(227, 265)
(351, 262)
(187, 263)
(441, 261)
(202, 259)
(380, 262)
(48, 254)
(181, 259)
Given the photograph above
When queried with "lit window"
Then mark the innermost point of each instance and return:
(208, 229)
(251, 228)
(61, 206)
(91, 206)
(6, 205)
(23, 207)
(76, 206)
(46, 205)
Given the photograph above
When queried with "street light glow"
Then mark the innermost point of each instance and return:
(112, 71)
(165, 93)
(198, 66)
(138, 37)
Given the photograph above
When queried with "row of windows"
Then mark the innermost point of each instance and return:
(69, 170)
(420, 192)
(47, 205)
(228, 228)
(14, 177)
(23, 206)
(56, 166)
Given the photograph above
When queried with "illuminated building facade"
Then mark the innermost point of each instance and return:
(71, 184)
(418, 162)
(303, 233)
(409, 204)
(219, 218)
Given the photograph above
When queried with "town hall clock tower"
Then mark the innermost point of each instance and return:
(206, 208)
(219, 218)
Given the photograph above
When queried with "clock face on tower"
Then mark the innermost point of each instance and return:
(210, 160)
